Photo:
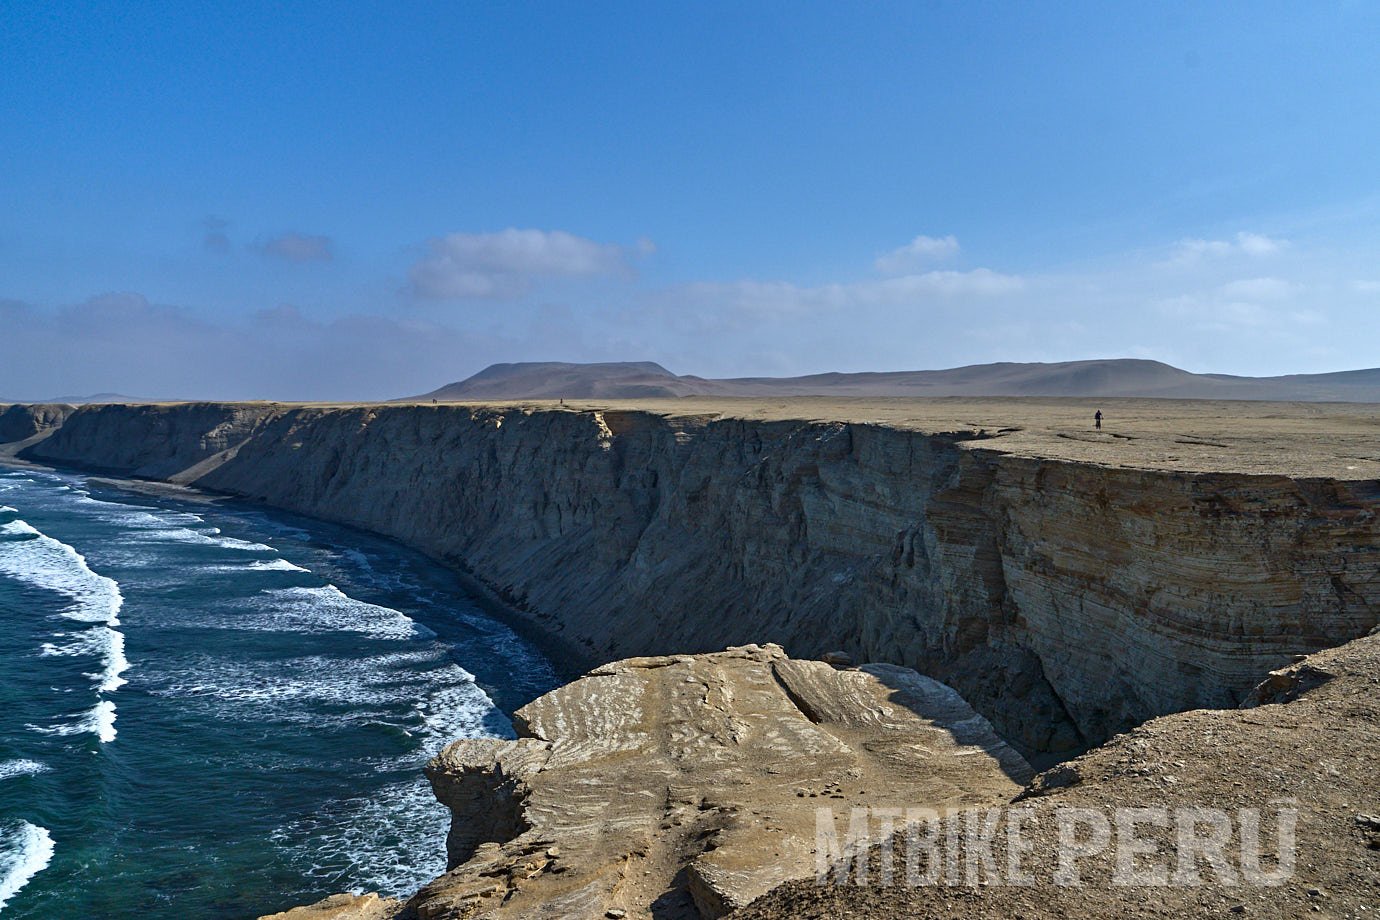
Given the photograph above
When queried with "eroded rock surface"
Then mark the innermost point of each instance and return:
(687, 786)
(1308, 740)
(343, 907)
(22, 425)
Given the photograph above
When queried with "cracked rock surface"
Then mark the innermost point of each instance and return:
(1307, 739)
(687, 786)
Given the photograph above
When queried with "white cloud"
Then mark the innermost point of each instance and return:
(1258, 289)
(1190, 251)
(1255, 304)
(917, 252)
(504, 264)
(1237, 314)
(298, 247)
(982, 282)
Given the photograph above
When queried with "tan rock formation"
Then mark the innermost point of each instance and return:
(687, 786)
(343, 907)
(1308, 740)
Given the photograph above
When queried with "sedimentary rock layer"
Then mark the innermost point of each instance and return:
(1287, 783)
(688, 786)
(1065, 600)
(20, 423)
(343, 907)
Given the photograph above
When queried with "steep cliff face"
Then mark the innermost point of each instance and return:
(21, 422)
(152, 441)
(1065, 601)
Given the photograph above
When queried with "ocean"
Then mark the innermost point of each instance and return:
(208, 709)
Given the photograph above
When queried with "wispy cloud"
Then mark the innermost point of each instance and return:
(1257, 245)
(298, 248)
(504, 264)
(918, 252)
(1258, 289)
(1241, 312)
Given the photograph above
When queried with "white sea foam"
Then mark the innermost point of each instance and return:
(459, 710)
(166, 534)
(356, 683)
(325, 609)
(374, 839)
(12, 768)
(391, 841)
(26, 851)
(99, 720)
(247, 545)
(102, 641)
(48, 563)
(257, 565)
(35, 558)
(165, 526)
(275, 565)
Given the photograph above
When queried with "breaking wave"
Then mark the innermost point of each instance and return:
(26, 851)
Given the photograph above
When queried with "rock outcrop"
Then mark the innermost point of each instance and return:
(687, 786)
(21, 423)
(1066, 599)
(1306, 746)
(682, 786)
(343, 907)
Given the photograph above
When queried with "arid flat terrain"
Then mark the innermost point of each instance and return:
(1338, 440)
(1323, 440)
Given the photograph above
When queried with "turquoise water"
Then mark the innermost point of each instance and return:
(210, 710)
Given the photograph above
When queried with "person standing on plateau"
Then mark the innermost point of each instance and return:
(1097, 419)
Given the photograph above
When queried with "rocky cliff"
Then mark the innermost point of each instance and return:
(1065, 599)
(19, 423)
(1300, 752)
(680, 787)
(687, 786)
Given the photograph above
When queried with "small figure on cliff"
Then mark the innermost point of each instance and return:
(1097, 419)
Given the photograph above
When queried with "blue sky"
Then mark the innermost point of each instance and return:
(354, 201)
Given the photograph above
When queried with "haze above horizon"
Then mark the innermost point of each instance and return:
(321, 202)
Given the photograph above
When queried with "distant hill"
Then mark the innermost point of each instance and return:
(554, 380)
(119, 398)
(1107, 378)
